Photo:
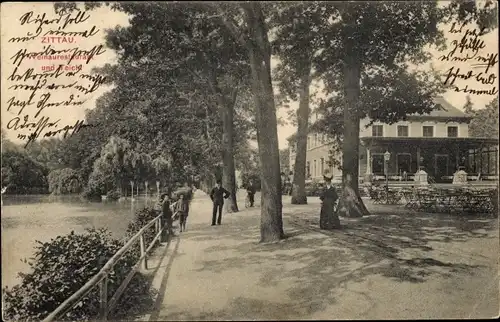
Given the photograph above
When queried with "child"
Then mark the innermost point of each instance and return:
(182, 208)
(167, 213)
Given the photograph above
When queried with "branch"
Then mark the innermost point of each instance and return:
(234, 95)
(230, 25)
(195, 75)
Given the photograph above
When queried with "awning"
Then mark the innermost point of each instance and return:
(470, 143)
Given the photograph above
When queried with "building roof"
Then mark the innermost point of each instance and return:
(443, 109)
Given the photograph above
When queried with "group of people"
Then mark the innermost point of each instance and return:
(218, 194)
(178, 209)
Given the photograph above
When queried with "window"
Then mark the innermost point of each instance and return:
(377, 130)
(308, 169)
(402, 130)
(452, 131)
(314, 170)
(308, 142)
(428, 131)
(322, 166)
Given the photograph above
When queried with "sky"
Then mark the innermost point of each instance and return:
(104, 19)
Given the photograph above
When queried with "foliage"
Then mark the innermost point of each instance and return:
(250, 169)
(62, 266)
(142, 218)
(118, 163)
(64, 181)
(313, 188)
(8, 145)
(365, 64)
(46, 152)
(285, 160)
(484, 123)
(247, 177)
(113, 195)
(21, 174)
(468, 106)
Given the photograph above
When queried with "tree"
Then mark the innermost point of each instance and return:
(8, 145)
(259, 49)
(360, 48)
(22, 175)
(64, 181)
(484, 123)
(297, 41)
(113, 169)
(468, 107)
(285, 160)
(213, 67)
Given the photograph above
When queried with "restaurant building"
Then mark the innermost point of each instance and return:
(437, 142)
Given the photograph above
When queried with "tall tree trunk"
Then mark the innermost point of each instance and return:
(299, 172)
(228, 171)
(226, 108)
(351, 204)
(207, 126)
(271, 224)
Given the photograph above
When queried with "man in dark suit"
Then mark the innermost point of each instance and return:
(218, 194)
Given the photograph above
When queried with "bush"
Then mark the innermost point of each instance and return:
(113, 195)
(141, 219)
(254, 177)
(64, 181)
(313, 188)
(62, 266)
(23, 175)
(91, 195)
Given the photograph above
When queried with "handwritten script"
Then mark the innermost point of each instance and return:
(480, 71)
(50, 73)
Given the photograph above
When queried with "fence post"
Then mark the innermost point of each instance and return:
(103, 299)
(158, 230)
(144, 262)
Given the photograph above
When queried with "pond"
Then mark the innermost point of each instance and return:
(26, 219)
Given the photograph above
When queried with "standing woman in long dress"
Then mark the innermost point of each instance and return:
(328, 218)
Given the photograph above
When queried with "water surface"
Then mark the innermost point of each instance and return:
(26, 219)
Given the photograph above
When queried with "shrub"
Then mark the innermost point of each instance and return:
(142, 217)
(313, 188)
(62, 266)
(90, 195)
(64, 181)
(113, 195)
(23, 175)
(254, 177)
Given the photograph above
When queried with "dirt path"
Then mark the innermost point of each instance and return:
(222, 273)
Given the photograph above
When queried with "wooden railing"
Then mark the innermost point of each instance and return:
(101, 278)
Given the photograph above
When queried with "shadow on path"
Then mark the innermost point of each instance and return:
(308, 272)
(163, 286)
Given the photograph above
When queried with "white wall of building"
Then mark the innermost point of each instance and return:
(318, 144)
(415, 128)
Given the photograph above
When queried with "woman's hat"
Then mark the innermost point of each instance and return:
(327, 175)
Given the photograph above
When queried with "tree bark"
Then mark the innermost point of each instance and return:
(228, 170)
(351, 204)
(226, 108)
(299, 172)
(271, 224)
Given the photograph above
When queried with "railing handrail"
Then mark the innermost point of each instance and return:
(103, 272)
